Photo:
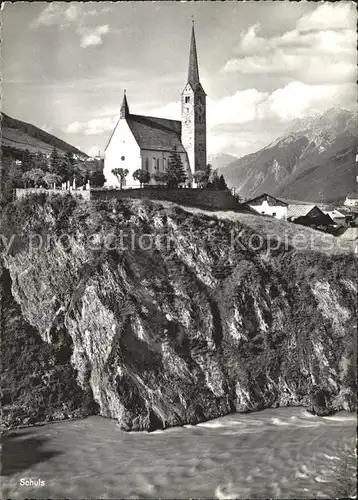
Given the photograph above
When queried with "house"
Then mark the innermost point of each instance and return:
(266, 204)
(351, 200)
(350, 236)
(308, 215)
(337, 217)
(147, 142)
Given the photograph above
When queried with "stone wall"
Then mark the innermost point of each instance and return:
(21, 192)
(202, 198)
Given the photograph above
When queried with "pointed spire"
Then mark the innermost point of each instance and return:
(193, 73)
(124, 107)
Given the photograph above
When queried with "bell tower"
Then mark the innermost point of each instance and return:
(193, 113)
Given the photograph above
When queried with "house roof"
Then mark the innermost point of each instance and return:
(350, 234)
(159, 134)
(334, 214)
(299, 210)
(271, 200)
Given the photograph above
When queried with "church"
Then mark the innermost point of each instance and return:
(147, 142)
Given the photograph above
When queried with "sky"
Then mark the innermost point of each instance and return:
(65, 65)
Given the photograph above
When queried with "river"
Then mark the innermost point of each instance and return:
(280, 453)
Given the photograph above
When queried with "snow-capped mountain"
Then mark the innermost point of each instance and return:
(313, 160)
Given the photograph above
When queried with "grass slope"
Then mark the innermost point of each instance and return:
(292, 235)
(16, 136)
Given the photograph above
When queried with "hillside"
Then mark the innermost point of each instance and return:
(16, 136)
(313, 161)
(192, 322)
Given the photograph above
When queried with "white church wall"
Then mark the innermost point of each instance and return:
(150, 159)
(122, 152)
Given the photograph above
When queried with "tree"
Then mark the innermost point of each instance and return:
(208, 170)
(222, 183)
(201, 178)
(81, 173)
(97, 178)
(175, 172)
(51, 179)
(143, 176)
(40, 161)
(214, 181)
(11, 178)
(160, 178)
(69, 158)
(58, 165)
(121, 174)
(33, 176)
(27, 161)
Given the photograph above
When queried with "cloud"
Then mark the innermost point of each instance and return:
(50, 15)
(93, 36)
(73, 15)
(74, 128)
(93, 150)
(241, 107)
(96, 126)
(316, 51)
(328, 16)
(97, 12)
(297, 99)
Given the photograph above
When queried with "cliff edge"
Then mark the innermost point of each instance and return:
(166, 318)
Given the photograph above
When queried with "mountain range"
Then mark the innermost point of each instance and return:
(313, 161)
(221, 160)
(17, 136)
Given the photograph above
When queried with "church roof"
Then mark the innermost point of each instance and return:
(159, 134)
(124, 107)
(193, 71)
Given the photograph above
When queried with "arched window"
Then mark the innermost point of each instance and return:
(158, 164)
(187, 99)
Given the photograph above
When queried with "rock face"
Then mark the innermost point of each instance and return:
(173, 319)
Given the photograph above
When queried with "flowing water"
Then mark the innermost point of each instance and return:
(280, 453)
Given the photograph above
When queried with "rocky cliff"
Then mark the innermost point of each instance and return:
(170, 318)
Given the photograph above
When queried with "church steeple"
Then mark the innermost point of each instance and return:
(124, 107)
(193, 72)
(193, 113)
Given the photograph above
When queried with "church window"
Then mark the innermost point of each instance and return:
(147, 164)
(158, 163)
(153, 163)
(164, 163)
(199, 119)
(187, 99)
